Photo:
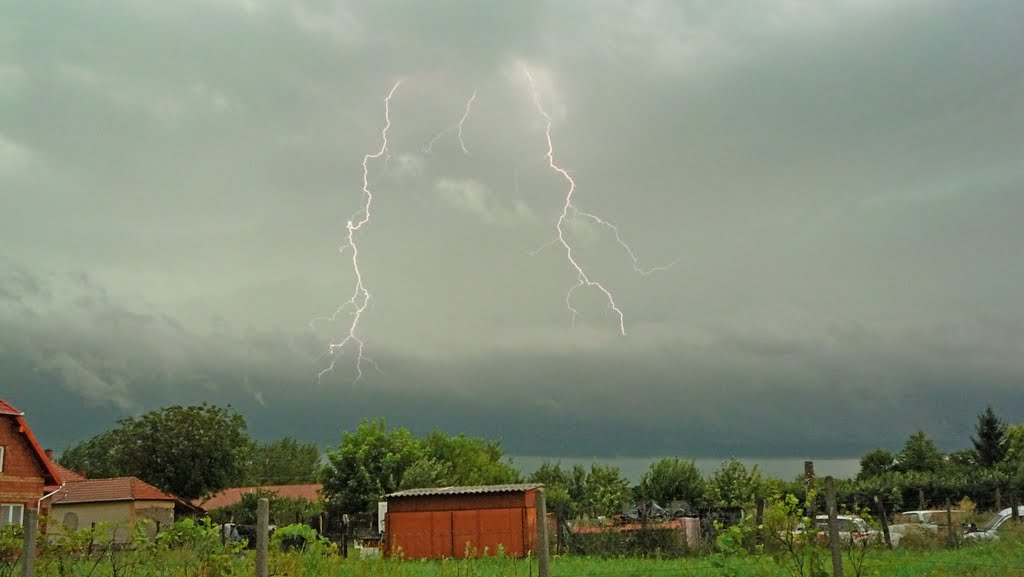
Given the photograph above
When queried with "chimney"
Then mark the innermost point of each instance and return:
(49, 454)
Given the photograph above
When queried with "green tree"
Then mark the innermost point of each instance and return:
(606, 491)
(427, 472)
(187, 451)
(920, 454)
(556, 481)
(733, 485)
(672, 479)
(284, 462)
(875, 463)
(367, 465)
(97, 457)
(283, 510)
(988, 443)
(471, 460)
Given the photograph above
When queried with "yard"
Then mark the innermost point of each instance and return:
(195, 552)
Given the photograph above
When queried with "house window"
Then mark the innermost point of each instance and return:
(1, 459)
(11, 514)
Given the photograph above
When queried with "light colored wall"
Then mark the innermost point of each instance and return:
(123, 513)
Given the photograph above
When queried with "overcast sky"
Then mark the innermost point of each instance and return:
(837, 186)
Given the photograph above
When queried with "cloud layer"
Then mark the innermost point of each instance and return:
(836, 186)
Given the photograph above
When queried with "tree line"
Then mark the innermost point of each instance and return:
(195, 451)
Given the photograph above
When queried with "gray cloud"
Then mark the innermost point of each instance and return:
(836, 184)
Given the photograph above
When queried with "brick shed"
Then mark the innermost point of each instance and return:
(453, 522)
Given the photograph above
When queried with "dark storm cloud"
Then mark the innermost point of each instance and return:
(838, 186)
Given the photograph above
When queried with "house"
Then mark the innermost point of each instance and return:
(119, 502)
(24, 468)
(456, 522)
(233, 496)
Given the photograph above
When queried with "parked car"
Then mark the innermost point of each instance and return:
(988, 531)
(851, 528)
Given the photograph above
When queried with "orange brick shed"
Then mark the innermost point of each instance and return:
(456, 522)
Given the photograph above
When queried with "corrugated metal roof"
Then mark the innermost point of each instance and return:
(469, 490)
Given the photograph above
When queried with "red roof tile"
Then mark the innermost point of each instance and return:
(7, 409)
(67, 474)
(233, 496)
(116, 489)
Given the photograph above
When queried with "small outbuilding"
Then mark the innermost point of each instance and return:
(458, 522)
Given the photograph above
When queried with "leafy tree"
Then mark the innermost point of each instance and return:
(1013, 447)
(988, 444)
(97, 457)
(187, 451)
(920, 454)
(733, 485)
(284, 462)
(427, 472)
(875, 463)
(607, 491)
(672, 479)
(367, 465)
(472, 461)
(556, 488)
(283, 510)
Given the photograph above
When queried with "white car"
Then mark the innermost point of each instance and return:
(987, 531)
(851, 528)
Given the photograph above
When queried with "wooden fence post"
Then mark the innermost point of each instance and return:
(543, 551)
(833, 526)
(262, 536)
(885, 523)
(808, 487)
(950, 533)
(28, 554)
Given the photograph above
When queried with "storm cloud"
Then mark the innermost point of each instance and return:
(836, 186)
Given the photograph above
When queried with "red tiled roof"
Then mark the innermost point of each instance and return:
(67, 474)
(233, 496)
(7, 409)
(51, 476)
(116, 489)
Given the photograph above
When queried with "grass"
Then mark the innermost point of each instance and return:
(1002, 558)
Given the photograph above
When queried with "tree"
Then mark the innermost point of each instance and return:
(606, 491)
(672, 479)
(733, 485)
(556, 483)
(920, 454)
(875, 463)
(284, 462)
(472, 461)
(988, 444)
(97, 457)
(187, 451)
(283, 510)
(427, 472)
(367, 465)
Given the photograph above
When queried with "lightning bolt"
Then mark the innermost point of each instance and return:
(462, 121)
(356, 305)
(458, 128)
(569, 211)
